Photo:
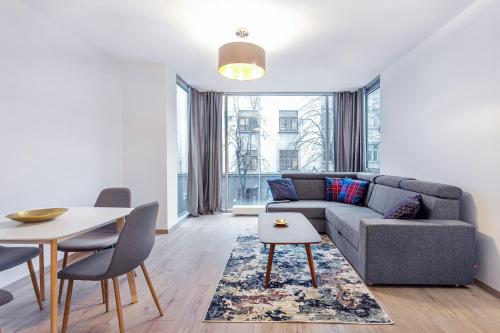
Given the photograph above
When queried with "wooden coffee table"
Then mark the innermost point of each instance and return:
(298, 231)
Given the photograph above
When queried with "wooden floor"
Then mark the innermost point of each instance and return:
(185, 267)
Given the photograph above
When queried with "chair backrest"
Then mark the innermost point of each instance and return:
(5, 297)
(114, 197)
(136, 240)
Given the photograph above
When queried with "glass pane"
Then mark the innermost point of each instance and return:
(268, 135)
(182, 149)
(373, 130)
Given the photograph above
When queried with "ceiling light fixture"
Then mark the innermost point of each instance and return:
(242, 60)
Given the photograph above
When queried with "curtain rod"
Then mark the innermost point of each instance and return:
(299, 93)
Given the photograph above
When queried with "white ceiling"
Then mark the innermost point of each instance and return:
(312, 45)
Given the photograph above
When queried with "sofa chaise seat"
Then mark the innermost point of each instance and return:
(346, 221)
(435, 248)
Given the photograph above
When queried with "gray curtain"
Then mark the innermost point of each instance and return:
(205, 152)
(349, 131)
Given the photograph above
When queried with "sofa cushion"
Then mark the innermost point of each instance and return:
(369, 192)
(394, 197)
(312, 209)
(346, 220)
(383, 198)
(435, 189)
(353, 191)
(333, 186)
(369, 177)
(283, 189)
(439, 209)
(378, 198)
(310, 189)
(406, 209)
(310, 186)
(392, 181)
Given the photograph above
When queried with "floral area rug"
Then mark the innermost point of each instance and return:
(341, 296)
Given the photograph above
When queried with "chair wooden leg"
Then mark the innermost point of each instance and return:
(116, 288)
(106, 294)
(103, 292)
(120, 223)
(35, 284)
(67, 306)
(61, 284)
(41, 270)
(151, 288)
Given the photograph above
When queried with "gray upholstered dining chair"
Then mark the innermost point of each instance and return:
(101, 238)
(14, 256)
(134, 245)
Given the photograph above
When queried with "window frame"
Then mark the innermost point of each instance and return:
(294, 156)
(368, 89)
(289, 119)
(248, 124)
(187, 88)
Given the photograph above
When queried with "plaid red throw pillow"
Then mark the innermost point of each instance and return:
(332, 188)
(353, 191)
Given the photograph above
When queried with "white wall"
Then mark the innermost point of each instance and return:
(149, 137)
(60, 117)
(172, 154)
(441, 120)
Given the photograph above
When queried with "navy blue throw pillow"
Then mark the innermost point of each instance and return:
(406, 209)
(283, 189)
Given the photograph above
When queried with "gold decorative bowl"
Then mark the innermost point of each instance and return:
(36, 215)
(280, 222)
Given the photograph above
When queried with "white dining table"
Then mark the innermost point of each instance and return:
(76, 221)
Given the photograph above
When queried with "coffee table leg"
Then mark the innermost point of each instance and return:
(311, 265)
(269, 265)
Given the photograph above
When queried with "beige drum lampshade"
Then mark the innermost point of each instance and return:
(242, 61)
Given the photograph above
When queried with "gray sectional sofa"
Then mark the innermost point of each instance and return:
(435, 248)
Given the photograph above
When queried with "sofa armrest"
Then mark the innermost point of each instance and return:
(417, 251)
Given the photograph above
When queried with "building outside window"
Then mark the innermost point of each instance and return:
(289, 121)
(248, 121)
(254, 160)
(373, 122)
(289, 160)
(373, 152)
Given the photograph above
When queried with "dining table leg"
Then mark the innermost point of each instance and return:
(41, 270)
(130, 276)
(53, 286)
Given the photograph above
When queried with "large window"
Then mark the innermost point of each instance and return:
(266, 135)
(182, 146)
(372, 106)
